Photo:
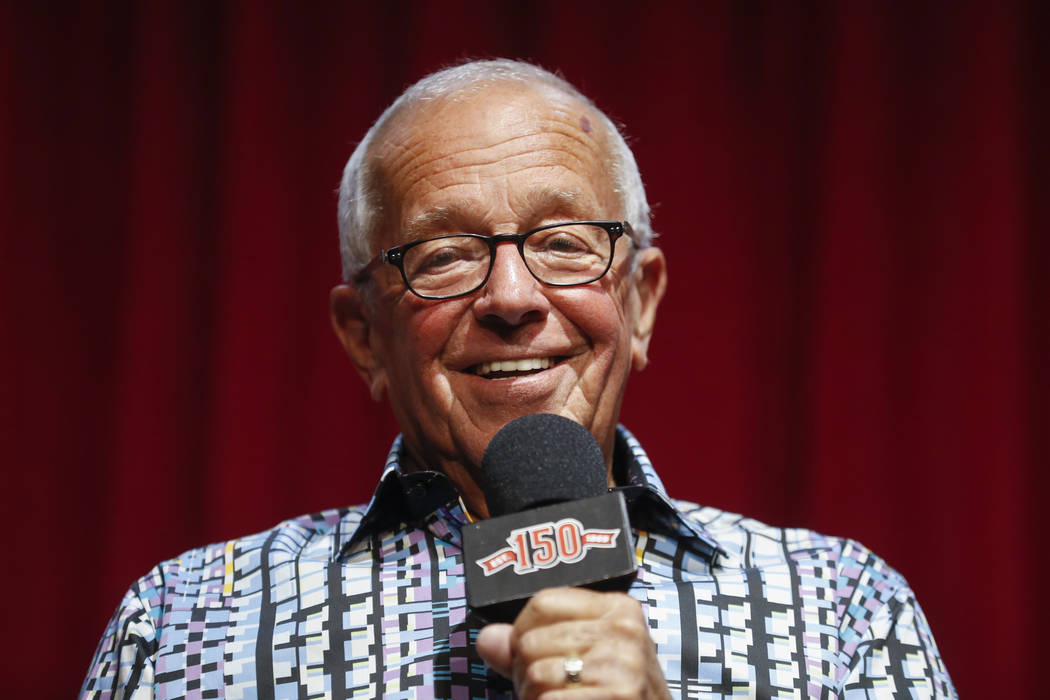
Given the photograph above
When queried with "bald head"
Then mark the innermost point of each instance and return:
(365, 202)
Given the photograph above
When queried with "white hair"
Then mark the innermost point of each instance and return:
(360, 198)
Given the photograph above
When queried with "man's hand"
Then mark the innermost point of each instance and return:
(608, 631)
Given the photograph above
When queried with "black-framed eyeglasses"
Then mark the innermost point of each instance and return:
(559, 255)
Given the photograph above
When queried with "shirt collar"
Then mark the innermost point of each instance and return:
(429, 500)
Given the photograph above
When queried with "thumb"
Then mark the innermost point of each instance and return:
(494, 646)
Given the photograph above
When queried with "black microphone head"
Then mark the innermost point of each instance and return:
(539, 459)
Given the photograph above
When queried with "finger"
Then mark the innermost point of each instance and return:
(596, 680)
(493, 644)
(612, 661)
(534, 679)
(561, 639)
(555, 604)
(547, 679)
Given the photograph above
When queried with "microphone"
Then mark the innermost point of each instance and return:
(553, 520)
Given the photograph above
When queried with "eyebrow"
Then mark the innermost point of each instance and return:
(543, 201)
(436, 219)
(539, 203)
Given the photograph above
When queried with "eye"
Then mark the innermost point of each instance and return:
(565, 243)
(443, 256)
(437, 259)
(568, 241)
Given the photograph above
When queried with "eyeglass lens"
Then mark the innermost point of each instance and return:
(451, 265)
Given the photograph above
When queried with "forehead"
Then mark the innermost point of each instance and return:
(493, 149)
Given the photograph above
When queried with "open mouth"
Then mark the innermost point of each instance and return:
(508, 369)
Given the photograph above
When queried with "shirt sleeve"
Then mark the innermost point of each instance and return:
(897, 656)
(124, 662)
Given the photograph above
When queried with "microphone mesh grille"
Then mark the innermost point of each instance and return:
(538, 459)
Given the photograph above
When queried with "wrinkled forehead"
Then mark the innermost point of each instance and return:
(489, 109)
(494, 121)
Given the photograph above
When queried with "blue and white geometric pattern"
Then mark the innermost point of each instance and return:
(369, 602)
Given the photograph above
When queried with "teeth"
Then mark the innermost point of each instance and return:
(525, 365)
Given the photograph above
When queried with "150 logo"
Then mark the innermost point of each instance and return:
(545, 545)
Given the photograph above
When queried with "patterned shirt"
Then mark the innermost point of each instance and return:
(369, 602)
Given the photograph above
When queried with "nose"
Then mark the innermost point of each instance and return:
(512, 296)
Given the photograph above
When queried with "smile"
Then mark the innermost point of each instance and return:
(506, 369)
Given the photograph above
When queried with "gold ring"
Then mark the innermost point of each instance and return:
(573, 668)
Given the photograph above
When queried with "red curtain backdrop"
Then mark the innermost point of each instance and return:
(852, 197)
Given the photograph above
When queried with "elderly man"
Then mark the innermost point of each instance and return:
(497, 251)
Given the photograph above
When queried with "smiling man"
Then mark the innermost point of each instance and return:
(498, 263)
(508, 159)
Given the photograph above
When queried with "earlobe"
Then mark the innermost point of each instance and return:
(351, 321)
(650, 283)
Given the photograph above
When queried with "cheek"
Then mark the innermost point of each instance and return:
(420, 337)
(603, 319)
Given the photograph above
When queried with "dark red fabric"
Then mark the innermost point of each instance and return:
(852, 197)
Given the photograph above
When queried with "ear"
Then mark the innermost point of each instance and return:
(352, 322)
(650, 283)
